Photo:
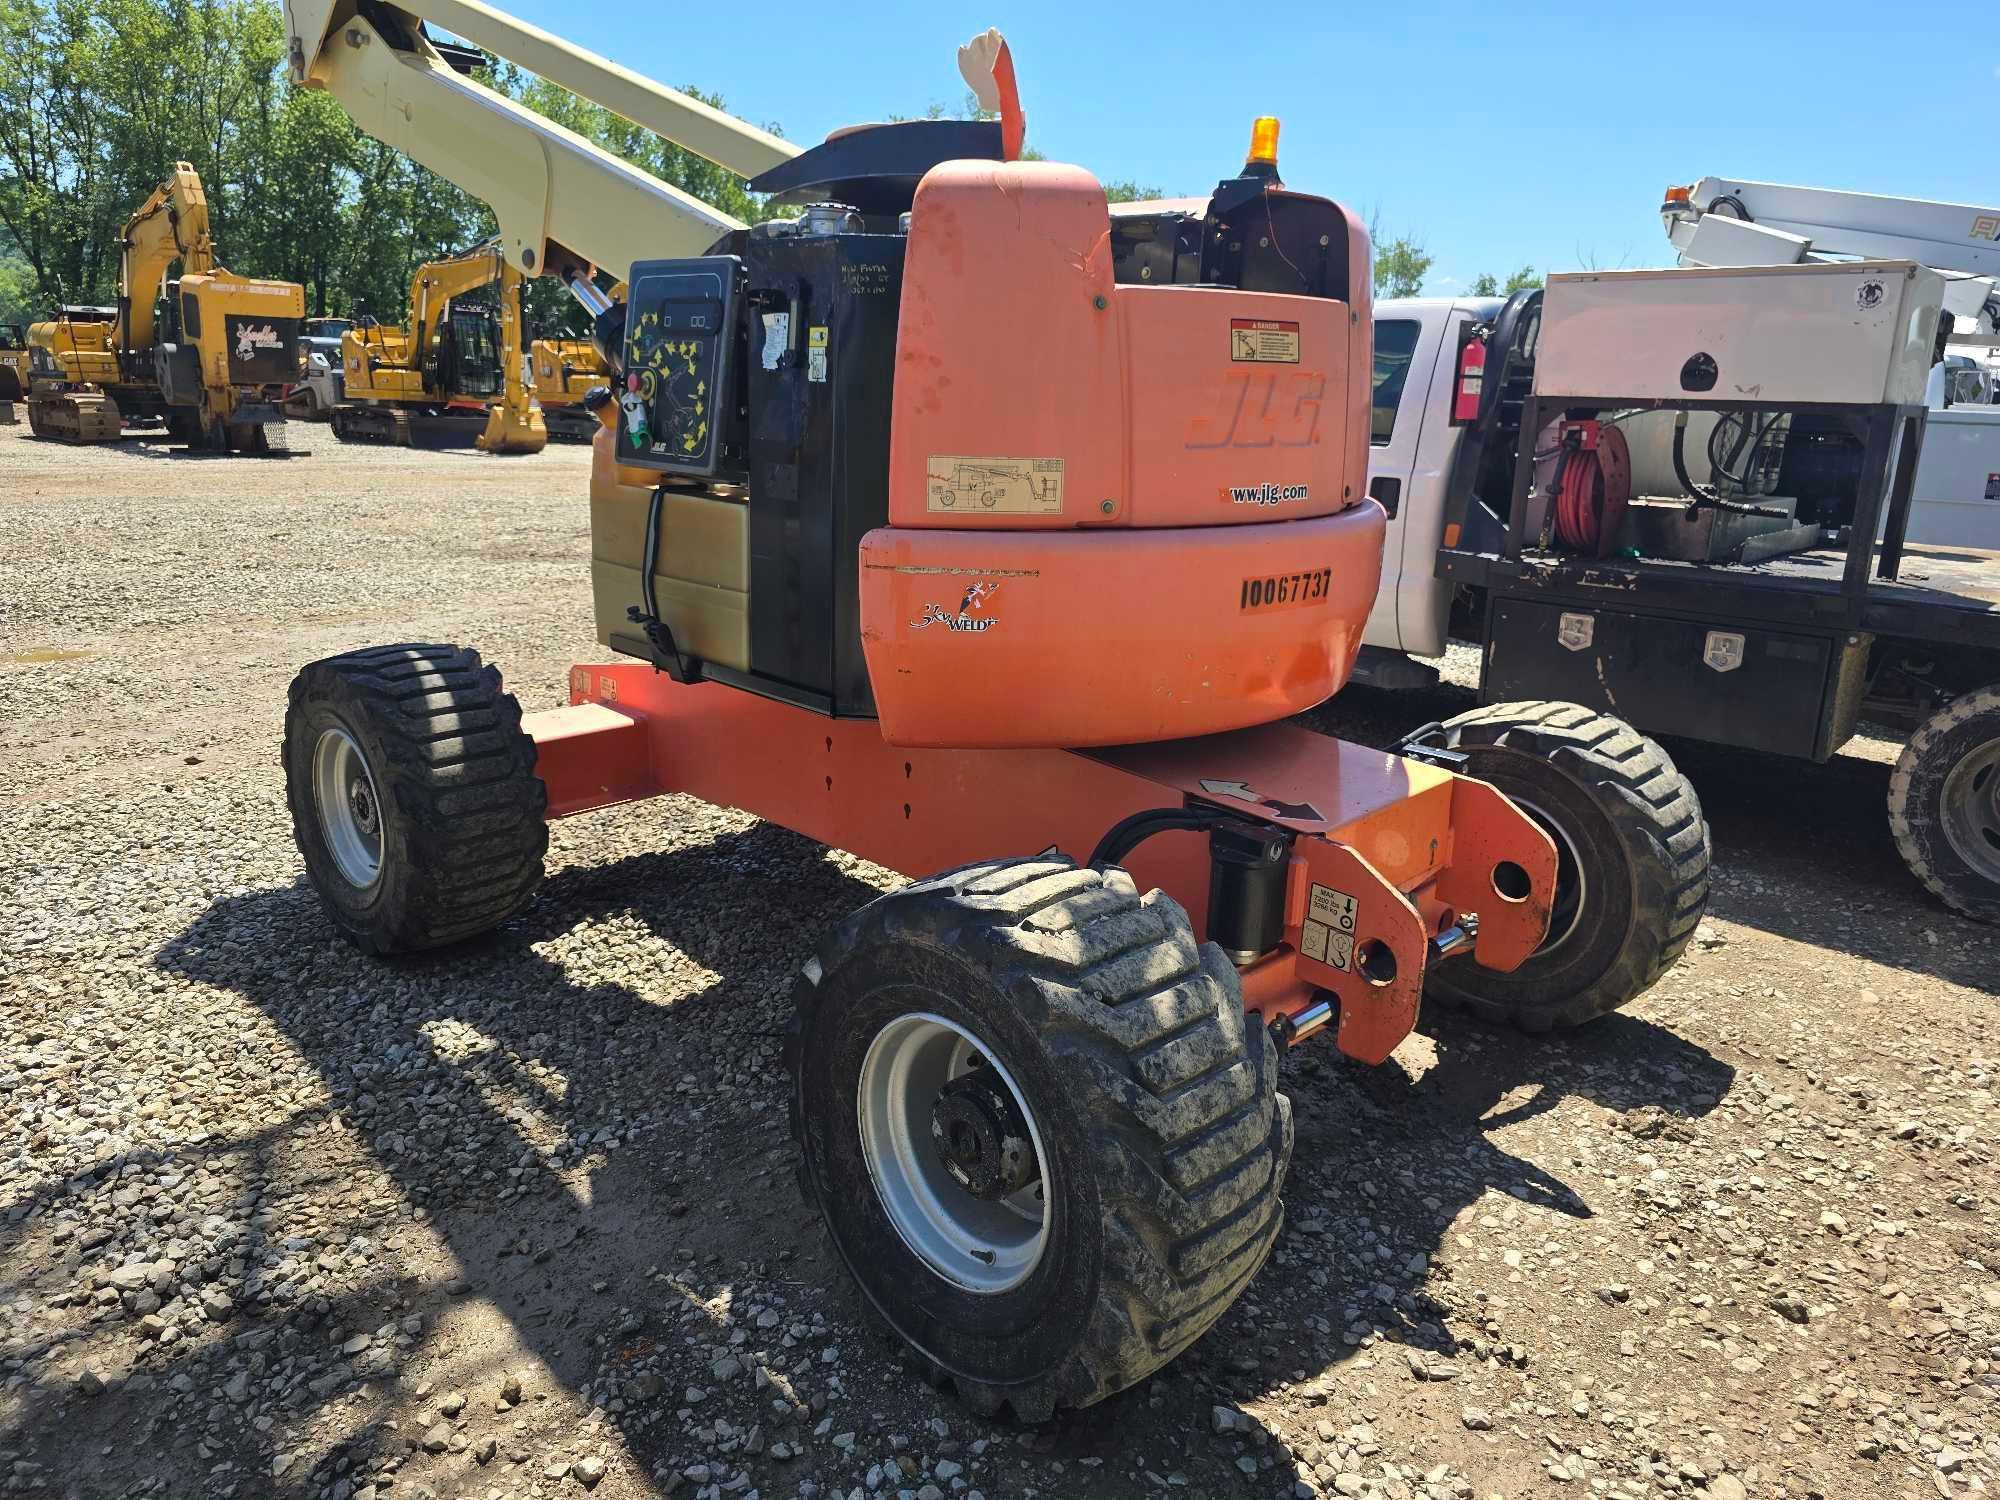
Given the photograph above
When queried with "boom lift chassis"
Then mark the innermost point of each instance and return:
(1382, 861)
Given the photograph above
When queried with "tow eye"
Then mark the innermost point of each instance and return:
(981, 1138)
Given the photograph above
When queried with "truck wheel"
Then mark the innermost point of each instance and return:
(413, 795)
(1944, 804)
(1044, 1135)
(1632, 855)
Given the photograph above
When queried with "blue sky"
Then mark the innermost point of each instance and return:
(1498, 134)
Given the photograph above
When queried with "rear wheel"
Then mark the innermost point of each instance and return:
(1044, 1135)
(1944, 804)
(413, 795)
(1632, 854)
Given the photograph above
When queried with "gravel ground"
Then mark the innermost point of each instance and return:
(279, 1220)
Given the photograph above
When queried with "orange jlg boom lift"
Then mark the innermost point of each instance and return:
(945, 525)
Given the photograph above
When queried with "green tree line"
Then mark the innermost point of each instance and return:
(99, 98)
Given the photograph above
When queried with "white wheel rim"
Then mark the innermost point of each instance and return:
(1970, 804)
(350, 811)
(983, 1246)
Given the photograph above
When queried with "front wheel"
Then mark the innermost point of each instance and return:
(1044, 1136)
(413, 795)
(1632, 854)
(1944, 804)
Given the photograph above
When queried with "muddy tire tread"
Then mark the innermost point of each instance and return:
(474, 805)
(1909, 822)
(1189, 1138)
(1650, 803)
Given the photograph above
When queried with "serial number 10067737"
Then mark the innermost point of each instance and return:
(1285, 590)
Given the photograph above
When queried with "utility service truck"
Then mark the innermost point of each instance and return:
(1680, 496)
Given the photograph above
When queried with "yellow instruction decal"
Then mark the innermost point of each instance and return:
(958, 485)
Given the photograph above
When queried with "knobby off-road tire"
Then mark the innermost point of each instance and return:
(1632, 850)
(413, 795)
(1163, 1138)
(1944, 804)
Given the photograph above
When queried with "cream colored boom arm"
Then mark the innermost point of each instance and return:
(563, 204)
(171, 225)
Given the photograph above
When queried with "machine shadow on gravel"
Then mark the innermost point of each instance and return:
(534, 1255)
(1387, 1159)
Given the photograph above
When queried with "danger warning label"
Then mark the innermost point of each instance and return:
(1263, 341)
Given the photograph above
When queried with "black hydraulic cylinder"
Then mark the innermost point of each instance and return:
(1246, 888)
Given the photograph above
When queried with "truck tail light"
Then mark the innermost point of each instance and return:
(1471, 382)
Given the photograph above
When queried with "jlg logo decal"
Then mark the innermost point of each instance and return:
(1274, 409)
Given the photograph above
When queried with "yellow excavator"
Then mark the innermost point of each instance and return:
(209, 352)
(13, 361)
(77, 391)
(453, 369)
(564, 372)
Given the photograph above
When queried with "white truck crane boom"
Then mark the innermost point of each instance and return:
(564, 205)
(1721, 221)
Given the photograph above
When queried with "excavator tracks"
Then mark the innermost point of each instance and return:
(570, 424)
(74, 417)
(398, 427)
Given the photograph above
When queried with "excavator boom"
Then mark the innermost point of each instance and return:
(438, 281)
(564, 205)
(171, 225)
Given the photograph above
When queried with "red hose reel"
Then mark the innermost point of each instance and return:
(1593, 485)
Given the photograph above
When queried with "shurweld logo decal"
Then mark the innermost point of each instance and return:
(1267, 494)
(970, 614)
(251, 340)
(1868, 296)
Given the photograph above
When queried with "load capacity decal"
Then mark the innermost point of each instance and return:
(1263, 341)
(1328, 933)
(1284, 590)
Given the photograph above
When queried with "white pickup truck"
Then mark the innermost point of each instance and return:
(1412, 455)
(1815, 648)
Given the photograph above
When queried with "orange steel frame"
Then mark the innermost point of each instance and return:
(1414, 846)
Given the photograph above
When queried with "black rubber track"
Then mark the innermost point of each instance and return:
(1916, 791)
(1163, 1114)
(462, 807)
(1646, 839)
